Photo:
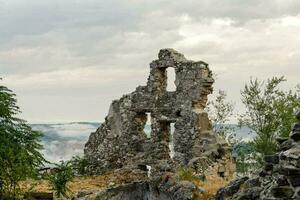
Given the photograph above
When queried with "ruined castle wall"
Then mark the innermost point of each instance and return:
(121, 140)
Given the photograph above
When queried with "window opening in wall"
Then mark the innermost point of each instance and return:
(147, 127)
(171, 143)
(171, 79)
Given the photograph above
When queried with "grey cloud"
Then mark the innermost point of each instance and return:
(37, 17)
(86, 33)
(239, 10)
(75, 28)
(71, 58)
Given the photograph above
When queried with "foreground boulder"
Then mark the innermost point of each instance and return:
(278, 180)
(164, 187)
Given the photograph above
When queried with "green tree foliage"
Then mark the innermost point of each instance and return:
(245, 157)
(269, 112)
(19, 147)
(220, 111)
(79, 165)
(59, 179)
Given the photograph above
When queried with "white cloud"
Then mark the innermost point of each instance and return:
(259, 48)
(79, 77)
(56, 151)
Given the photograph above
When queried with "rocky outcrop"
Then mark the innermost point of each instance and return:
(122, 187)
(278, 180)
(136, 190)
(139, 191)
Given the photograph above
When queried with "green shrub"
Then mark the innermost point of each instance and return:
(79, 165)
(186, 173)
(269, 112)
(59, 179)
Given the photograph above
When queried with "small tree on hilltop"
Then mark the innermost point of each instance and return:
(19, 147)
(220, 110)
(269, 112)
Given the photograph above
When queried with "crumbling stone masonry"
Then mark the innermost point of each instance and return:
(121, 141)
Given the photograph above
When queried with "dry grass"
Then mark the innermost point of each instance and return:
(212, 184)
(87, 183)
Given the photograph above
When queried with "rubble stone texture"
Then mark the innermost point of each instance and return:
(278, 180)
(121, 141)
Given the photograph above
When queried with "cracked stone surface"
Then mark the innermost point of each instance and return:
(121, 142)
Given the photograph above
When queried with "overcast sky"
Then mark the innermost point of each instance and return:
(68, 59)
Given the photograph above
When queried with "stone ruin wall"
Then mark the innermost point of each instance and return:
(120, 141)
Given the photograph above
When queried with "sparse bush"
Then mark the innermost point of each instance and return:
(79, 165)
(220, 111)
(186, 173)
(59, 179)
(246, 158)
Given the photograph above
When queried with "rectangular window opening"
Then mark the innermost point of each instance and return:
(147, 127)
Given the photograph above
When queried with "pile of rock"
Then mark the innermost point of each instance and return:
(278, 180)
